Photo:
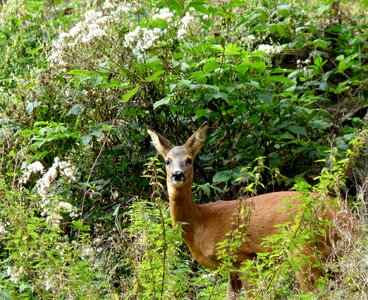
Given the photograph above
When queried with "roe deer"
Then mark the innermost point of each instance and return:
(206, 225)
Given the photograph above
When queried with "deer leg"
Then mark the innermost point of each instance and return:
(309, 272)
(234, 287)
(237, 284)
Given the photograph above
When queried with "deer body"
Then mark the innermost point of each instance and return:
(206, 225)
(202, 233)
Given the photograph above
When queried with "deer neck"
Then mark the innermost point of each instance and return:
(183, 209)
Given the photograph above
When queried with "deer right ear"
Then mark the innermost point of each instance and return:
(162, 145)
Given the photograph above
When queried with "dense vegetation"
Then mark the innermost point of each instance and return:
(83, 213)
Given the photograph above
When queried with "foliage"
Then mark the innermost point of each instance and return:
(282, 84)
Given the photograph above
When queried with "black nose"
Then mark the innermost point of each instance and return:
(178, 176)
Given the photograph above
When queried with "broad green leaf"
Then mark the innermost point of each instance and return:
(77, 109)
(202, 112)
(223, 176)
(255, 118)
(322, 9)
(266, 98)
(129, 95)
(297, 129)
(155, 76)
(163, 101)
(210, 66)
(282, 79)
(232, 49)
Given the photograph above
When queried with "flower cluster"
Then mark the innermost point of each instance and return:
(188, 23)
(93, 27)
(15, 273)
(2, 229)
(43, 185)
(164, 14)
(33, 168)
(269, 49)
(51, 207)
(118, 7)
(141, 39)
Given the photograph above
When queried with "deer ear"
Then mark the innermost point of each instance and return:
(162, 145)
(196, 141)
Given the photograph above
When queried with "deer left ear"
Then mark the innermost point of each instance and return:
(162, 145)
(196, 141)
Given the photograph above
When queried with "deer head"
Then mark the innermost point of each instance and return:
(179, 159)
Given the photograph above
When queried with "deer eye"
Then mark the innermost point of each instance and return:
(189, 161)
(167, 162)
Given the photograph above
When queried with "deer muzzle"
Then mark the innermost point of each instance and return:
(178, 178)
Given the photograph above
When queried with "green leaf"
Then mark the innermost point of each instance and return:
(255, 118)
(297, 129)
(76, 109)
(210, 66)
(266, 98)
(80, 226)
(155, 76)
(202, 112)
(322, 9)
(282, 79)
(163, 101)
(284, 10)
(232, 49)
(223, 176)
(129, 95)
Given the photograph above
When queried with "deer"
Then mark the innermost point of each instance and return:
(206, 225)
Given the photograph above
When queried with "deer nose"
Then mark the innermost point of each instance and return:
(178, 176)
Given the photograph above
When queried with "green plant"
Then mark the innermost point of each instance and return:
(155, 255)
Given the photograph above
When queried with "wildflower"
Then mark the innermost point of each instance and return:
(2, 230)
(87, 252)
(44, 183)
(187, 20)
(33, 168)
(269, 49)
(93, 27)
(141, 39)
(15, 274)
(182, 33)
(54, 220)
(108, 5)
(122, 8)
(164, 14)
(65, 206)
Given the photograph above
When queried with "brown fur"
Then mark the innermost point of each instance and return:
(206, 225)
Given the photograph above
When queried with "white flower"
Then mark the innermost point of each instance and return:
(65, 206)
(164, 14)
(54, 220)
(49, 284)
(33, 168)
(269, 49)
(107, 5)
(2, 230)
(96, 33)
(92, 15)
(141, 39)
(15, 274)
(124, 8)
(182, 33)
(187, 20)
(87, 252)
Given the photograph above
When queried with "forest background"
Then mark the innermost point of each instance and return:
(83, 212)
